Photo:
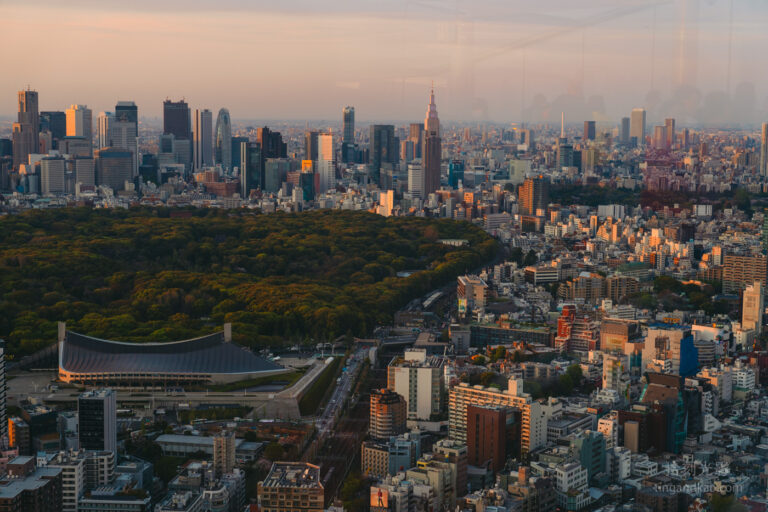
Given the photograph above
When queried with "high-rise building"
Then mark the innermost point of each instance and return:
(176, 119)
(97, 417)
(565, 154)
(104, 129)
(455, 173)
(80, 122)
(272, 145)
(637, 126)
(432, 147)
(740, 271)
(763, 151)
(289, 483)
(533, 429)
(348, 136)
(326, 164)
(671, 139)
(250, 168)
(533, 195)
(388, 415)
(624, 131)
(487, 436)
(75, 146)
(26, 131)
(85, 170)
(127, 111)
(407, 151)
(56, 123)
(419, 380)
(416, 136)
(275, 173)
(52, 175)
(236, 143)
(589, 130)
(310, 145)
(383, 149)
(223, 148)
(125, 133)
(224, 453)
(119, 132)
(660, 137)
(416, 185)
(202, 139)
(114, 167)
(753, 307)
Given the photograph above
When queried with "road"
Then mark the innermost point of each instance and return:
(327, 420)
(341, 451)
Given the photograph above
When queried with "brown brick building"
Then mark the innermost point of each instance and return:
(30, 489)
(388, 414)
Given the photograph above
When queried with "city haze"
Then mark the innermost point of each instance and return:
(490, 61)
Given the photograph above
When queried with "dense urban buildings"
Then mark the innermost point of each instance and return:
(498, 314)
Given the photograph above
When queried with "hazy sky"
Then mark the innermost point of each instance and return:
(504, 61)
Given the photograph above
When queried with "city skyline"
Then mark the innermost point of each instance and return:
(686, 59)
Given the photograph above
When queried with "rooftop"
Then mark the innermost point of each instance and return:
(35, 480)
(293, 474)
(193, 440)
(209, 354)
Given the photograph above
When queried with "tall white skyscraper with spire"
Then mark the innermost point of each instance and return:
(432, 147)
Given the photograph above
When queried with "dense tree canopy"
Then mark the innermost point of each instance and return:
(151, 275)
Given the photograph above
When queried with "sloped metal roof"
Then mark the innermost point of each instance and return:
(207, 354)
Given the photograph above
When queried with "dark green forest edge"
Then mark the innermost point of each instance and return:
(149, 275)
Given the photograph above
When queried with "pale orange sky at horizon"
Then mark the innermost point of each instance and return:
(500, 62)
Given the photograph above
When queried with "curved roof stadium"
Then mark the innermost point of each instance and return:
(210, 358)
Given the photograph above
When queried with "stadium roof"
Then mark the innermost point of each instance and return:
(209, 354)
